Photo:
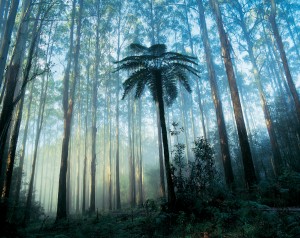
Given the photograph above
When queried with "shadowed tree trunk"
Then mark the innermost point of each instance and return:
(68, 104)
(249, 172)
(140, 185)
(12, 80)
(160, 102)
(7, 36)
(216, 99)
(269, 123)
(21, 163)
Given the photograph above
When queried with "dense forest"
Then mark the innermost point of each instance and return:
(152, 118)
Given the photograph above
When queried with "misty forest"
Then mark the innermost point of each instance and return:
(150, 118)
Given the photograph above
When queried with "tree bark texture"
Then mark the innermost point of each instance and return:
(249, 172)
(216, 99)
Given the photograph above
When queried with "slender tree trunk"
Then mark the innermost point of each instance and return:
(160, 149)
(21, 163)
(140, 156)
(68, 104)
(283, 57)
(39, 125)
(2, 19)
(160, 153)
(7, 36)
(118, 196)
(11, 160)
(94, 113)
(250, 177)
(133, 178)
(200, 104)
(269, 123)
(160, 102)
(110, 154)
(11, 78)
(78, 155)
(216, 99)
(88, 67)
(184, 124)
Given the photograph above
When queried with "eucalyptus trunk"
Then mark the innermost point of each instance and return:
(216, 98)
(68, 104)
(283, 57)
(277, 160)
(249, 172)
(39, 125)
(94, 115)
(7, 36)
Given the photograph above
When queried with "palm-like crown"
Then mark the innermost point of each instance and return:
(148, 62)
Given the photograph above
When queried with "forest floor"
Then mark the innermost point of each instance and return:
(139, 223)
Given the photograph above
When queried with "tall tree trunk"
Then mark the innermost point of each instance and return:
(7, 36)
(12, 79)
(249, 172)
(88, 67)
(10, 100)
(39, 125)
(160, 102)
(68, 105)
(159, 135)
(78, 154)
(2, 18)
(140, 156)
(94, 112)
(110, 153)
(24, 141)
(269, 123)
(283, 57)
(216, 98)
(200, 104)
(160, 154)
(118, 196)
(11, 160)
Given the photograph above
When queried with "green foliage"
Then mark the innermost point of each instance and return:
(149, 62)
(280, 192)
(194, 182)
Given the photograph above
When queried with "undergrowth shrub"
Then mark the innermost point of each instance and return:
(281, 192)
(196, 181)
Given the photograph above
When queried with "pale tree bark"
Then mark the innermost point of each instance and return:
(277, 160)
(110, 205)
(216, 98)
(39, 125)
(78, 152)
(68, 105)
(88, 68)
(200, 103)
(118, 195)
(94, 111)
(283, 57)
(249, 172)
